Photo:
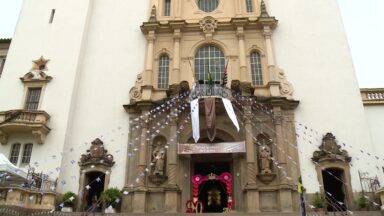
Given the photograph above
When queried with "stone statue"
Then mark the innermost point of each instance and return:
(265, 159)
(158, 160)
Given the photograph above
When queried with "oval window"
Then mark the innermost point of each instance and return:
(208, 5)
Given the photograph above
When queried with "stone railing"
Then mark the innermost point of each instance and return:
(21, 121)
(372, 95)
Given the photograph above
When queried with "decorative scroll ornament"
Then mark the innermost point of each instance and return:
(97, 155)
(286, 88)
(329, 150)
(37, 74)
(135, 92)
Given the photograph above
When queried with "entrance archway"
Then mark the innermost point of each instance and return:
(334, 189)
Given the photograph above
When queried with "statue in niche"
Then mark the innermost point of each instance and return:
(158, 159)
(265, 154)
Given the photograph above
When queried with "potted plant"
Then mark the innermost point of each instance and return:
(362, 202)
(318, 202)
(68, 201)
(111, 198)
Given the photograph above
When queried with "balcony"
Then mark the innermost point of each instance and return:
(23, 121)
(372, 95)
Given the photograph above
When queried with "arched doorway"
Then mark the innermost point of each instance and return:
(334, 189)
(213, 193)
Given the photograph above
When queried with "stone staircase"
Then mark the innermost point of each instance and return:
(17, 211)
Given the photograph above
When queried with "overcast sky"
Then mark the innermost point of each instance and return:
(363, 22)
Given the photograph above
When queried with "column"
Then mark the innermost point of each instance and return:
(243, 62)
(148, 78)
(175, 76)
(285, 193)
(251, 187)
(171, 194)
(274, 84)
(139, 198)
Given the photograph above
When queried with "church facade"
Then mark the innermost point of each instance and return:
(187, 106)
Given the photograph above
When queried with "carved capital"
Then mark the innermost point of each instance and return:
(240, 32)
(267, 32)
(151, 37)
(177, 34)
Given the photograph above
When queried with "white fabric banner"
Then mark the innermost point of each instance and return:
(195, 119)
(231, 113)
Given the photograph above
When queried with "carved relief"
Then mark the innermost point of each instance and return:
(37, 74)
(135, 91)
(208, 25)
(97, 155)
(330, 150)
(286, 88)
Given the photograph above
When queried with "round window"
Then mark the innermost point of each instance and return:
(208, 5)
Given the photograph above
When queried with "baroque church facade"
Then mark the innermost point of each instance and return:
(186, 105)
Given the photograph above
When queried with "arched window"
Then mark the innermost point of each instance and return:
(15, 151)
(249, 6)
(208, 5)
(162, 81)
(167, 7)
(256, 70)
(209, 59)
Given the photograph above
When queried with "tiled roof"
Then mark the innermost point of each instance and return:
(5, 40)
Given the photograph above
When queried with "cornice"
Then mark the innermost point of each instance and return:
(232, 24)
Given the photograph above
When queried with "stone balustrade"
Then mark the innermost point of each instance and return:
(27, 198)
(24, 121)
(372, 95)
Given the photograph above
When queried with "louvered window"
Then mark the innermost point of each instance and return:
(15, 151)
(32, 100)
(27, 153)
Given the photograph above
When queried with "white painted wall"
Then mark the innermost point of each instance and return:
(311, 47)
(375, 119)
(96, 50)
(60, 42)
(114, 53)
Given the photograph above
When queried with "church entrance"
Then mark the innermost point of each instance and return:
(94, 187)
(213, 186)
(334, 189)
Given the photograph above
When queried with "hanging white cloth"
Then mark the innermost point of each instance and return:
(231, 113)
(195, 120)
